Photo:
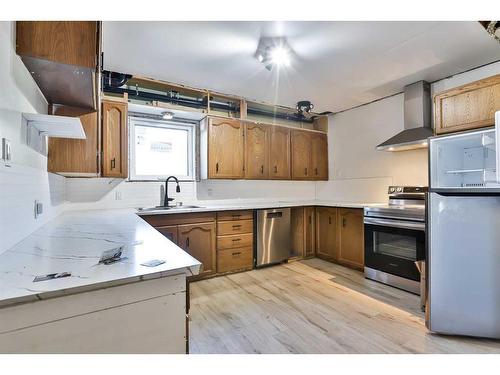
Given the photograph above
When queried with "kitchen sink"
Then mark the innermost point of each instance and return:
(165, 208)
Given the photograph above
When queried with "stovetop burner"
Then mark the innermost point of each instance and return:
(405, 202)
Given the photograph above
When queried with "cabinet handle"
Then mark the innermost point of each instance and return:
(310, 219)
(316, 171)
(275, 169)
(329, 220)
(305, 171)
(237, 253)
(216, 167)
(187, 242)
(343, 221)
(236, 226)
(113, 163)
(262, 169)
(236, 239)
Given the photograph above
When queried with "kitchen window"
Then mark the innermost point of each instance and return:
(159, 149)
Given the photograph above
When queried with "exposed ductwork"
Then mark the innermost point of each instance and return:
(417, 120)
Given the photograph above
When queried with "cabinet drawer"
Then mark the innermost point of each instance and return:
(234, 227)
(234, 215)
(235, 241)
(234, 259)
(178, 219)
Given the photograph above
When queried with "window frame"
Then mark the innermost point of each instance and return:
(133, 121)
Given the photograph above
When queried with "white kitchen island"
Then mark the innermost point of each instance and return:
(122, 307)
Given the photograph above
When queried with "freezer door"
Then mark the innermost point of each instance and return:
(464, 265)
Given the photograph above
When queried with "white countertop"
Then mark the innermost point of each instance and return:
(248, 205)
(74, 242)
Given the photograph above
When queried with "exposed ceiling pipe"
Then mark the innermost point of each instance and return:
(199, 103)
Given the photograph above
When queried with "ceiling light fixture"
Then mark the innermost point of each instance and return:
(167, 115)
(274, 52)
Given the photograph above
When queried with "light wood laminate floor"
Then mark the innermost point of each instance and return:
(313, 306)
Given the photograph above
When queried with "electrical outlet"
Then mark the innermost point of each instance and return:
(118, 195)
(6, 151)
(38, 209)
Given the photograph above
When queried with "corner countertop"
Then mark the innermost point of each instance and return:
(205, 206)
(73, 242)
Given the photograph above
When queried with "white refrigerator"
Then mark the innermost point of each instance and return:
(463, 233)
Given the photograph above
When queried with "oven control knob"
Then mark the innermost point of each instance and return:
(392, 189)
(399, 189)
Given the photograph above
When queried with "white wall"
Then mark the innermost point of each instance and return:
(26, 179)
(360, 173)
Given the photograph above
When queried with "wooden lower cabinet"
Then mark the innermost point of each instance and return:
(326, 232)
(198, 240)
(297, 231)
(303, 231)
(234, 259)
(351, 237)
(234, 241)
(309, 231)
(170, 232)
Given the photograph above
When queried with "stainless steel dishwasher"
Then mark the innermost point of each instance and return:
(272, 236)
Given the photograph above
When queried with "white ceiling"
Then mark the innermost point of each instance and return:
(337, 65)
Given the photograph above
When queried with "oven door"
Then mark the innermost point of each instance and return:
(393, 246)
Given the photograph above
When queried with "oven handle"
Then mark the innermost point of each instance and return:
(394, 223)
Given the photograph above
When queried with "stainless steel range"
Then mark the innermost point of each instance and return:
(395, 238)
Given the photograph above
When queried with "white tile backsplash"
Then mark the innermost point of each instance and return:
(255, 189)
(94, 193)
(20, 187)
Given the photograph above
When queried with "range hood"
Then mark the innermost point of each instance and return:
(417, 120)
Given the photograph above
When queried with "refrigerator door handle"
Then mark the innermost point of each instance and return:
(497, 144)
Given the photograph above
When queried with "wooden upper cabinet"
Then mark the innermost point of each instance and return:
(225, 149)
(351, 237)
(114, 139)
(319, 156)
(301, 155)
(326, 232)
(198, 240)
(279, 153)
(467, 107)
(66, 42)
(75, 157)
(256, 151)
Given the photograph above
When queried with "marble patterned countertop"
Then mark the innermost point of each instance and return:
(73, 242)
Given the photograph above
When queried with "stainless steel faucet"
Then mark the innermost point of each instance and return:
(177, 189)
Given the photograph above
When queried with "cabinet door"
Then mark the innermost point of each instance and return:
(319, 156)
(67, 42)
(75, 156)
(297, 231)
(225, 149)
(467, 107)
(301, 155)
(351, 237)
(326, 232)
(279, 153)
(198, 240)
(170, 232)
(256, 151)
(309, 231)
(114, 139)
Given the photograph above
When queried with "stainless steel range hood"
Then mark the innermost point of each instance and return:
(417, 120)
